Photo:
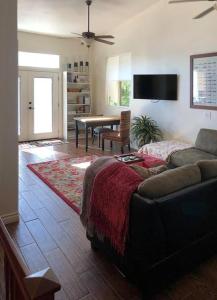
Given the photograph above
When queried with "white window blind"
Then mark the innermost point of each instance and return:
(113, 68)
(125, 67)
(118, 76)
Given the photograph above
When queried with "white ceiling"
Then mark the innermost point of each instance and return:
(60, 17)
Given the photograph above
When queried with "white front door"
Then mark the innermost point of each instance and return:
(37, 105)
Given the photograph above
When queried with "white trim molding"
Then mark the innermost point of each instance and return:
(10, 218)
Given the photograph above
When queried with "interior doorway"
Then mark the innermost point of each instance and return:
(38, 105)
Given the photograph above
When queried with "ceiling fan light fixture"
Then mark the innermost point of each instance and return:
(86, 42)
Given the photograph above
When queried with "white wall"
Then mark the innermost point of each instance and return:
(8, 109)
(161, 40)
(66, 48)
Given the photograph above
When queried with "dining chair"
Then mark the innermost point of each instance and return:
(98, 131)
(121, 136)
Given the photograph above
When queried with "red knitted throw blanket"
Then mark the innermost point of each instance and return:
(109, 203)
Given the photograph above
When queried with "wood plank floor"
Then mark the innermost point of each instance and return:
(50, 234)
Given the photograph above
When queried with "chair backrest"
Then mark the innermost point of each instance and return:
(19, 282)
(125, 124)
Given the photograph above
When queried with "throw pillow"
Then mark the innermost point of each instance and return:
(170, 181)
(208, 168)
(146, 173)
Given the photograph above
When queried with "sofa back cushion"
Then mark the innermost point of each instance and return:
(208, 169)
(145, 173)
(207, 140)
(170, 181)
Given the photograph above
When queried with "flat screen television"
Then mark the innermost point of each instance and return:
(155, 87)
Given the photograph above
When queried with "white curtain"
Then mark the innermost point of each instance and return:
(118, 69)
(125, 66)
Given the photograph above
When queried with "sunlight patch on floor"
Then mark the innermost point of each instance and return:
(44, 152)
(83, 165)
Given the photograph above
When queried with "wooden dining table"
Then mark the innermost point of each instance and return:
(92, 122)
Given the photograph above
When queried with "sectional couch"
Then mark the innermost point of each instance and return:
(173, 220)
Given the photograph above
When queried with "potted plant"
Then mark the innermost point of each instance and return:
(145, 130)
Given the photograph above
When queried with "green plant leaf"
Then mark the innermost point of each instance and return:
(145, 130)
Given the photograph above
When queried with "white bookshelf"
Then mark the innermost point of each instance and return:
(76, 96)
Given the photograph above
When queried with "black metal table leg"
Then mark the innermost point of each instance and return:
(76, 133)
(86, 136)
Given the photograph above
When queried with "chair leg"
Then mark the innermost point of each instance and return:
(103, 144)
(99, 138)
(111, 144)
(122, 149)
(93, 139)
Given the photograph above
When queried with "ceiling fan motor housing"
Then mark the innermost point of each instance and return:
(89, 2)
(88, 35)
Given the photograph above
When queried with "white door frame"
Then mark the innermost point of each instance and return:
(27, 95)
(23, 106)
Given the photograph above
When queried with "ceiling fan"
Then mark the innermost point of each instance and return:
(205, 12)
(88, 36)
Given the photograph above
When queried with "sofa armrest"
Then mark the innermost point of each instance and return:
(189, 214)
(146, 233)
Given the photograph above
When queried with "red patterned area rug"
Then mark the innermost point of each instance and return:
(65, 177)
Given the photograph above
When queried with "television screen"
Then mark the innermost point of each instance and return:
(155, 87)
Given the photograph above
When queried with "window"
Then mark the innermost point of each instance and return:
(43, 105)
(38, 60)
(118, 80)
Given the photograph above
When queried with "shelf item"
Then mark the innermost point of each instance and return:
(78, 104)
(78, 83)
(78, 66)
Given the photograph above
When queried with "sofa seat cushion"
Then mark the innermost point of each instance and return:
(208, 169)
(170, 181)
(207, 140)
(189, 156)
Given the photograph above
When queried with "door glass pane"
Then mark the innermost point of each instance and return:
(43, 117)
(38, 60)
(18, 105)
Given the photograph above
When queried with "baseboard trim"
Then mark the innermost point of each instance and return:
(10, 218)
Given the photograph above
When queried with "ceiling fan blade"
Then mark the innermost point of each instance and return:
(206, 12)
(103, 41)
(186, 1)
(76, 33)
(105, 36)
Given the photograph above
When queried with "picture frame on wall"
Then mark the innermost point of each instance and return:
(203, 81)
